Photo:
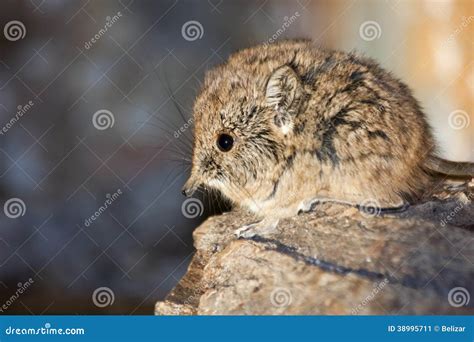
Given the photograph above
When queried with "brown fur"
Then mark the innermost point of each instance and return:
(308, 123)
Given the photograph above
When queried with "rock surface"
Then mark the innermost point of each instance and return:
(336, 260)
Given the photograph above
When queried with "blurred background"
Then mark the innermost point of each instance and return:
(95, 137)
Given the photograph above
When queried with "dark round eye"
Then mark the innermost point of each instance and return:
(225, 142)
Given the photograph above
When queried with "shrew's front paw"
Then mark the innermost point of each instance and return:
(261, 228)
(308, 205)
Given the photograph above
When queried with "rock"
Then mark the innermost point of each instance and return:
(336, 260)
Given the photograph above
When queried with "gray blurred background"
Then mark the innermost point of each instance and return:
(138, 65)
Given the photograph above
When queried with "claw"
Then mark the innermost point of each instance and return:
(259, 228)
(307, 206)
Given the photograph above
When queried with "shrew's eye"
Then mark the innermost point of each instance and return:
(225, 142)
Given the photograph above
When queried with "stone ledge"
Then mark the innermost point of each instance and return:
(335, 260)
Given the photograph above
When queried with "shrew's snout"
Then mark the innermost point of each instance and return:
(190, 187)
(187, 192)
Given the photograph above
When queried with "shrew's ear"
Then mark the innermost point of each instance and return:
(282, 87)
(282, 92)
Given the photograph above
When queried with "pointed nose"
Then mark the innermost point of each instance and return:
(189, 188)
(187, 192)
